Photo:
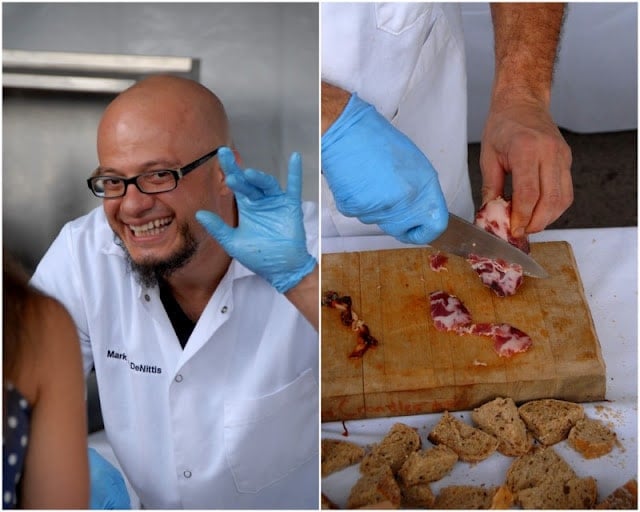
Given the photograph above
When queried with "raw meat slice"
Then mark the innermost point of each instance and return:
(350, 319)
(438, 262)
(502, 277)
(450, 314)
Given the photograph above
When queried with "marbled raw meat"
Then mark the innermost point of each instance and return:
(502, 277)
(450, 314)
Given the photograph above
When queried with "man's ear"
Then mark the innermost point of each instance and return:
(236, 154)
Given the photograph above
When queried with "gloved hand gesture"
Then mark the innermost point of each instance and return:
(270, 237)
(108, 490)
(379, 176)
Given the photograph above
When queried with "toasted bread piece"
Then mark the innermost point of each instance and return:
(337, 454)
(393, 450)
(500, 418)
(464, 497)
(623, 498)
(536, 467)
(591, 438)
(375, 488)
(471, 444)
(575, 493)
(417, 496)
(502, 499)
(550, 420)
(426, 466)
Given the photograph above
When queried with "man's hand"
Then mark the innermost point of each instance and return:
(519, 135)
(523, 140)
(379, 176)
(270, 237)
(108, 490)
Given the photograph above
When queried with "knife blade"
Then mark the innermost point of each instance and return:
(463, 238)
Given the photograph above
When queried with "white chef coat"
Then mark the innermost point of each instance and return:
(232, 420)
(406, 59)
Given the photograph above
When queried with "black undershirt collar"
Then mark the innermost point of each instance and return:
(182, 324)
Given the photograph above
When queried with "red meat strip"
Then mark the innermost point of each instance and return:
(438, 262)
(350, 319)
(502, 277)
(450, 314)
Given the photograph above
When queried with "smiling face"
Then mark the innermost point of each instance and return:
(164, 123)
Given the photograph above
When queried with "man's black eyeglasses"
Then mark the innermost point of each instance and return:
(152, 182)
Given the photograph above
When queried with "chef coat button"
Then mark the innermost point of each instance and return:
(187, 474)
(224, 309)
(146, 297)
(178, 378)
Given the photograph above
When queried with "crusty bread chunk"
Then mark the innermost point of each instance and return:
(575, 493)
(374, 488)
(500, 418)
(393, 450)
(426, 466)
(623, 498)
(541, 479)
(471, 444)
(337, 454)
(417, 496)
(550, 420)
(534, 468)
(464, 497)
(591, 438)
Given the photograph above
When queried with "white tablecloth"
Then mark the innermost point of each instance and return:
(607, 261)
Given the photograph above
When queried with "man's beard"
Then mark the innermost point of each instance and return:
(149, 271)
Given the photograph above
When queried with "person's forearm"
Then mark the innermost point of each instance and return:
(334, 100)
(305, 297)
(526, 40)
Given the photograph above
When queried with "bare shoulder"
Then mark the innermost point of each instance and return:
(53, 351)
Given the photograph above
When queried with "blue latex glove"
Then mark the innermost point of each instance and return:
(108, 490)
(270, 238)
(379, 176)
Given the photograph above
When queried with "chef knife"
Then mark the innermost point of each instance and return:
(463, 239)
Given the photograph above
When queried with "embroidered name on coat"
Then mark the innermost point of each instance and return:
(142, 368)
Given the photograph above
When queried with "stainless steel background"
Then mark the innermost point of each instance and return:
(261, 59)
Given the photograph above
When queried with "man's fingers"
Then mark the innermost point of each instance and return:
(215, 226)
(228, 162)
(294, 179)
(492, 176)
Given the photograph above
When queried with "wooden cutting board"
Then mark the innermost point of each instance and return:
(416, 369)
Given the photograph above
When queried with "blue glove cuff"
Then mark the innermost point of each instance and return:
(354, 110)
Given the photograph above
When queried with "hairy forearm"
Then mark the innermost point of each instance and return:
(526, 41)
(334, 99)
(305, 297)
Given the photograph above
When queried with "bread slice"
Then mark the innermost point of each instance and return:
(591, 438)
(625, 497)
(337, 454)
(550, 420)
(464, 497)
(500, 418)
(535, 468)
(417, 496)
(375, 488)
(427, 466)
(471, 444)
(575, 493)
(393, 450)
(541, 479)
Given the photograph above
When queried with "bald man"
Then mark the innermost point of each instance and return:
(194, 290)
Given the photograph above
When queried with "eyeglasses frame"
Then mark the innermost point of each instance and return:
(178, 174)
